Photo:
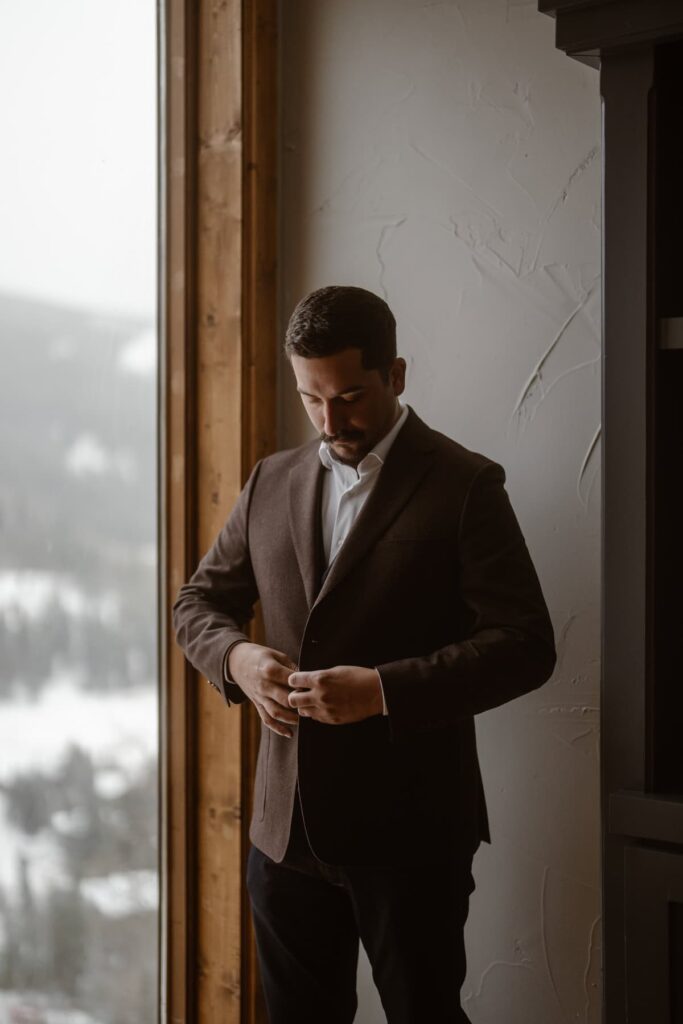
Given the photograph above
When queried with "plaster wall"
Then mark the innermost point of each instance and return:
(446, 156)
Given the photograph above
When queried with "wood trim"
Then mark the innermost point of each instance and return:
(260, 235)
(618, 25)
(219, 367)
(626, 81)
(653, 881)
(628, 343)
(218, 401)
(259, 315)
(176, 513)
(587, 29)
(644, 816)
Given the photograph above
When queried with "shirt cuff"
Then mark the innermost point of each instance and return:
(385, 710)
(231, 691)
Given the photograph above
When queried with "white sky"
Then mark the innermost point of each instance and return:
(78, 152)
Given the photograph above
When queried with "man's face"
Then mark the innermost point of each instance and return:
(352, 408)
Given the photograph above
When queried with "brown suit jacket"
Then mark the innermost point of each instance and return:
(434, 586)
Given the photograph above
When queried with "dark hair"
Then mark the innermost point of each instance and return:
(338, 317)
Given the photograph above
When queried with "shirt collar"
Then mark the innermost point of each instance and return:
(375, 458)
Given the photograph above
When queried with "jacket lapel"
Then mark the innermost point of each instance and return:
(408, 460)
(305, 486)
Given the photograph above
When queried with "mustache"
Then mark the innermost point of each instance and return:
(342, 435)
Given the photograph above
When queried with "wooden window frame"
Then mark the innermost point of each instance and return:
(217, 401)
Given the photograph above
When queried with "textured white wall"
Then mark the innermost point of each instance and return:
(446, 156)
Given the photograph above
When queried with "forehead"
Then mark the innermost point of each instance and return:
(331, 375)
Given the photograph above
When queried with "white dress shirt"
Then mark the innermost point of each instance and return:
(347, 488)
(345, 491)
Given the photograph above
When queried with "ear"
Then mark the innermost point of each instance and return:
(397, 375)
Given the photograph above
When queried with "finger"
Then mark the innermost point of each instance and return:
(302, 680)
(276, 692)
(275, 672)
(283, 659)
(279, 713)
(301, 699)
(273, 724)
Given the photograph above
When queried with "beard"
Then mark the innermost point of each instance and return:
(344, 435)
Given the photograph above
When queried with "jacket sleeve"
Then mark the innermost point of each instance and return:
(509, 648)
(214, 606)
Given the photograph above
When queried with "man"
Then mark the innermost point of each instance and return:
(399, 600)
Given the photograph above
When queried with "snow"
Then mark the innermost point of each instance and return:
(139, 356)
(33, 1008)
(31, 591)
(119, 727)
(70, 823)
(118, 730)
(87, 456)
(122, 893)
(40, 852)
(110, 783)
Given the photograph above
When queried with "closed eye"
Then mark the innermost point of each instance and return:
(345, 399)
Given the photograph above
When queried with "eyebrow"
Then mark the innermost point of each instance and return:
(347, 391)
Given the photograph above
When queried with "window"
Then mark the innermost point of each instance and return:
(78, 545)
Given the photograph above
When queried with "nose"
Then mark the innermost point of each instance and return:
(332, 418)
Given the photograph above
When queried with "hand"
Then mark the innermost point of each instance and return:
(337, 696)
(262, 674)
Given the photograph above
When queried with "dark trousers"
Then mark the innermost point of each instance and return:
(309, 916)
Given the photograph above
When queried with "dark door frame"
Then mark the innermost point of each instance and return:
(642, 829)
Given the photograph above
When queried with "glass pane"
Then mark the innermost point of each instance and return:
(78, 545)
